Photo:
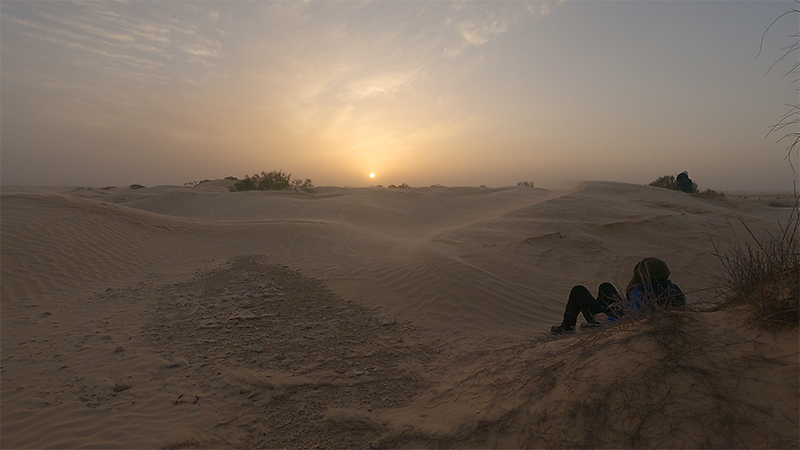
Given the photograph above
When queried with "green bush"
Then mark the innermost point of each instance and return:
(272, 181)
(525, 184)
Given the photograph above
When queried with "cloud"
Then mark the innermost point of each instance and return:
(382, 84)
(476, 24)
(99, 38)
(310, 57)
(365, 49)
(478, 32)
(355, 79)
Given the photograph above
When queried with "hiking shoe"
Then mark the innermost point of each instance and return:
(559, 329)
(591, 325)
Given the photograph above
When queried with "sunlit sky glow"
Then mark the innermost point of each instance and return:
(451, 93)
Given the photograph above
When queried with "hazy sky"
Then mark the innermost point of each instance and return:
(456, 93)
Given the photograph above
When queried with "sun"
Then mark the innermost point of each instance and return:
(372, 175)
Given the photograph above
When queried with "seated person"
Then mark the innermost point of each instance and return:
(684, 183)
(650, 286)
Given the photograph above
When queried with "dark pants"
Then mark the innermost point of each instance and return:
(582, 301)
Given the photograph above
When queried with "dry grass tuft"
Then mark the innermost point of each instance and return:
(764, 275)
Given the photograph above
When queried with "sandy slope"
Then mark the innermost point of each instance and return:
(185, 316)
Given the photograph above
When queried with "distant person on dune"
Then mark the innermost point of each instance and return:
(685, 183)
(650, 286)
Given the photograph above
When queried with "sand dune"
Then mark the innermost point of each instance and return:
(358, 316)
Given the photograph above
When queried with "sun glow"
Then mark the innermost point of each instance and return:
(372, 175)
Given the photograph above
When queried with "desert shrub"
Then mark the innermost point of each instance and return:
(666, 182)
(136, 186)
(528, 184)
(764, 275)
(272, 181)
(108, 188)
(669, 182)
(305, 186)
(232, 178)
(710, 193)
(402, 186)
(196, 183)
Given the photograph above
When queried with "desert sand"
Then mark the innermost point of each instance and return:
(185, 317)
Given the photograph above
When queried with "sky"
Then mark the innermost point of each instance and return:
(462, 93)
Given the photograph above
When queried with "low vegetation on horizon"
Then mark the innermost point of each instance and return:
(196, 183)
(273, 181)
(671, 183)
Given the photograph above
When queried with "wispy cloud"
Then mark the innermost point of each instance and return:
(352, 78)
(349, 59)
(97, 38)
(382, 84)
(476, 24)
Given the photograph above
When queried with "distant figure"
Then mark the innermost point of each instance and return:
(650, 286)
(685, 183)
